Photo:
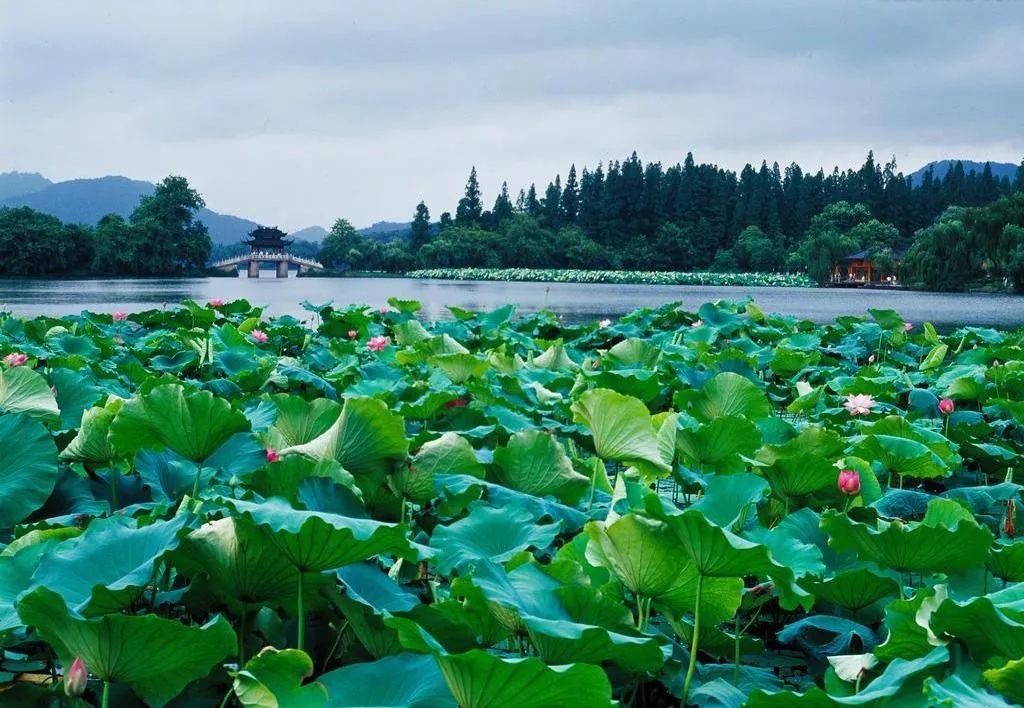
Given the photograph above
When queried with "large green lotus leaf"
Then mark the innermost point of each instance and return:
(364, 437)
(299, 421)
(108, 567)
(804, 464)
(274, 679)
(639, 383)
(155, 657)
(900, 684)
(914, 547)
(487, 532)
(633, 353)
(399, 681)
(460, 367)
(481, 680)
(91, 444)
(555, 358)
(854, 589)
(18, 562)
(621, 427)
(899, 427)
(718, 445)
(288, 476)
(954, 691)
(716, 552)
(1008, 679)
(193, 424)
(316, 541)
(1006, 561)
(28, 467)
(75, 393)
(643, 553)
(908, 623)
(448, 454)
(989, 625)
(558, 635)
(535, 462)
(729, 393)
(242, 567)
(728, 497)
(902, 456)
(23, 390)
(368, 584)
(720, 598)
(790, 546)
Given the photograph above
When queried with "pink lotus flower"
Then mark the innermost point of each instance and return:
(946, 406)
(216, 302)
(377, 344)
(859, 404)
(258, 335)
(76, 678)
(907, 326)
(849, 482)
(697, 323)
(120, 316)
(15, 359)
(604, 323)
(352, 334)
(384, 310)
(272, 455)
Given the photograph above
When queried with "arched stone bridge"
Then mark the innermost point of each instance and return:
(255, 258)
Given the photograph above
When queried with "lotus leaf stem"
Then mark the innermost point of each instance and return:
(695, 641)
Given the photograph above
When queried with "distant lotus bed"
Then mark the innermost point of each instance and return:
(625, 277)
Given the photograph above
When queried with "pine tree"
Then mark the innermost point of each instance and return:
(446, 220)
(503, 208)
(531, 204)
(470, 207)
(419, 233)
(570, 197)
(551, 207)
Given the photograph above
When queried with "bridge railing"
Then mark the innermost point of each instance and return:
(266, 256)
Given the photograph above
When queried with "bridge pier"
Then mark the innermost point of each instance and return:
(254, 268)
(282, 269)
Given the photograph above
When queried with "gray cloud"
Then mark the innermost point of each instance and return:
(297, 113)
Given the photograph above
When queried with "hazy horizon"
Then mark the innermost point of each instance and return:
(301, 116)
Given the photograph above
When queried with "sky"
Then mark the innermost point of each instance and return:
(298, 113)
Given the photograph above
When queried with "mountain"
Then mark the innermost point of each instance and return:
(310, 233)
(86, 201)
(941, 167)
(384, 230)
(13, 184)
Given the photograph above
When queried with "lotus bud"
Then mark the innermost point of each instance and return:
(849, 482)
(76, 678)
(216, 302)
(120, 316)
(352, 334)
(1008, 524)
(946, 406)
(272, 455)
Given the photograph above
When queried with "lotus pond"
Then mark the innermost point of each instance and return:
(202, 506)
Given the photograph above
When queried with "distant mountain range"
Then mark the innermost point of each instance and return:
(941, 167)
(86, 201)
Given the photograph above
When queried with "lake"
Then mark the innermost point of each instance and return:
(576, 302)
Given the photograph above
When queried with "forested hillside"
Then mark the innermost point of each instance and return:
(687, 216)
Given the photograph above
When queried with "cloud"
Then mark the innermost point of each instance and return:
(298, 113)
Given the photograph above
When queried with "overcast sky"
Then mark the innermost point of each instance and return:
(296, 113)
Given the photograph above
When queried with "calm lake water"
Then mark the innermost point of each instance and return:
(576, 302)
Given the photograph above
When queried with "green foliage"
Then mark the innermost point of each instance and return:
(510, 511)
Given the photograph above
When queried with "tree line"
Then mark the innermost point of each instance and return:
(161, 237)
(688, 216)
